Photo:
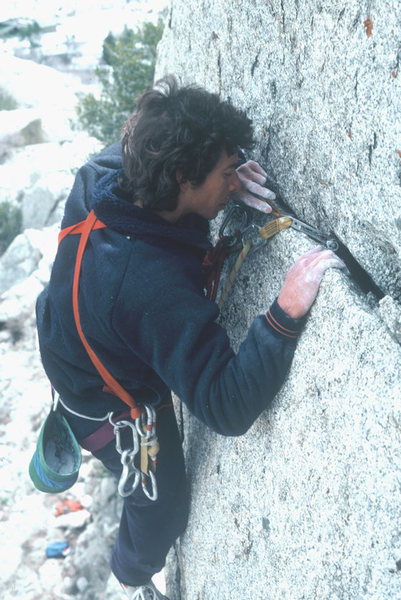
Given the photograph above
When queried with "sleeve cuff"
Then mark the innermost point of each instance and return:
(281, 323)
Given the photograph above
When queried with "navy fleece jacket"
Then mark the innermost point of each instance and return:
(143, 311)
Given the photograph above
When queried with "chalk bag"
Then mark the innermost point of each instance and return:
(55, 464)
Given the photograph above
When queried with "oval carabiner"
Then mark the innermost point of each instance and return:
(129, 470)
(231, 213)
(135, 441)
(146, 430)
(154, 495)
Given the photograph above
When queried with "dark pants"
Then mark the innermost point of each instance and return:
(149, 528)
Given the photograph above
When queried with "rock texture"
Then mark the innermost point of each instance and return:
(306, 504)
(322, 83)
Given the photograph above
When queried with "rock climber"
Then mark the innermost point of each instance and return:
(143, 309)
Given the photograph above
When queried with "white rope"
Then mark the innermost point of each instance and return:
(77, 414)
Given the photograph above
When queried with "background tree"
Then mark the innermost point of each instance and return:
(130, 64)
(10, 224)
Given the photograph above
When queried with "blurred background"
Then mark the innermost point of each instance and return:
(69, 76)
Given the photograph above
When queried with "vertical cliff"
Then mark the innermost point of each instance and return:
(306, 504)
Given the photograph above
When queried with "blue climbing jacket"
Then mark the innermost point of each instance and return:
(143, 311)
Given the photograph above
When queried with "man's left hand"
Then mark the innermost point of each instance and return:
(252, 178)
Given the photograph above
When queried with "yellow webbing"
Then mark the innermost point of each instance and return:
(234, 272)
(274, 227)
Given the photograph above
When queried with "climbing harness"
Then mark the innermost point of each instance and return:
(250, 237)
(143, 417)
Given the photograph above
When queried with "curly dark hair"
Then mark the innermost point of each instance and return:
(178, 129)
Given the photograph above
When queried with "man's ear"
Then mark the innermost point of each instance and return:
(181, 179)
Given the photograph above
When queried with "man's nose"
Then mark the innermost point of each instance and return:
(235, 183)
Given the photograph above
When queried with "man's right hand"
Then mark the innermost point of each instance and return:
(303, 280)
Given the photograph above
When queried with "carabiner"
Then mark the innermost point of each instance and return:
(118, 425)
(146, 430)
(127, 457)
(242, 214)
(129, 470)
(154, 495)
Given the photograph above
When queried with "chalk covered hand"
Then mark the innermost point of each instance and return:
(303, 280)
(252, 178)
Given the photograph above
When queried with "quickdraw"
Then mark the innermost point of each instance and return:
(143, 438)
(146, 429)
(249, 237)
(127, 458)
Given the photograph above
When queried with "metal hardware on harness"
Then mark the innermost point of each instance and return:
(127, 458)
(153, 495)
(146, 423)
(129, 470)
(146, 429)
(144, 438)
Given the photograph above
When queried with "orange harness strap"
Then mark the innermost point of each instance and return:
(79, 228)
(84, 228)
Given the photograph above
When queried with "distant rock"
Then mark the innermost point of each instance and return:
(21, 128)
(34, 85)
(38, 178)
(31, 252)
(43, 203)
(39, 150)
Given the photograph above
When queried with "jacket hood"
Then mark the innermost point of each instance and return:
(116, 211)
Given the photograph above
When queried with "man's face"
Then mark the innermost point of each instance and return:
(212, 196)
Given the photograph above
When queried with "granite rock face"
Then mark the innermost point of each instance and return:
(306, 504)
(322, 83)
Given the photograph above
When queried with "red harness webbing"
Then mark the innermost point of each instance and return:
(84, 228)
